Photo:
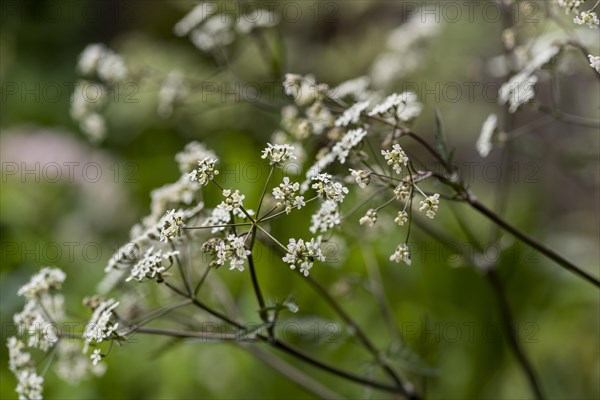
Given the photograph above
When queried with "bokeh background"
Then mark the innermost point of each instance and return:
(443, 309)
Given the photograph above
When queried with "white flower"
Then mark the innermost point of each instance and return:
(352, 115)
(401, 218)
(194, 18)
(357, 88)
(89, 58)
(31, 321)
(484, 143)
(233, 200)
(40, 283)
(518, 91)
(595, 62)
(72, 365)
(587, 18)
(430, 205)
(396, 157)
(570, 5)
(205, 172)
(278, 153)
(370, 218)
(402, 191)
(101, 325)
(258, 18)
(96, 357)
(192, 154)
(232, 250)
(173, 90)
(304, 89)
(215, 32)
(17, 357)
(170, 195)
(404, 106)
(218, 217)
(29, 384)
(302, 254)
(329, 189)
(111, 67)
(361, 177)
(94, 126)
(350, 140)
(286, 194)
(171, 223)
(325, 218)
(401, 254)
(150, 265)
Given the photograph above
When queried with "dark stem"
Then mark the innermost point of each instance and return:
(513, 338)
(548, 252)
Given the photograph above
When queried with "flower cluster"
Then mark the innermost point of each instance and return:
(326, 218)
(350, 140)
(108, 65)
(396, 158)
(285, 193)
(278, 154)
(362, 178)
(205, 172)
(302, 255)
(48, 278)
(102, 324)
(401, 254)
(151, 264)
(430, 205)
(232, 250)
(404, 107)
(329, 189)
(484, 143)
(233, 200)
(370, 218)
(172, 223)
(352, 115)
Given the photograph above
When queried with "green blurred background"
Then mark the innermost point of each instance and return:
(446, 314)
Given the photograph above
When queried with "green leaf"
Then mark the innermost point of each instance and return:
(440, 138)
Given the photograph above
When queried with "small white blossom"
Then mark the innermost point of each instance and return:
(214, 33)
(17, 357)
(304, 89)
(48, 278)
(193, 18)
(484, 143)
(94, 126)
(361, 177)
(258, 18)
(405, 106)
(205, 172)
(370, 218)
(327, 217)
(171, 225)
(89, 58)
(101, 325)
(278, 154)
(96, 357)
(402, 191)
(401, 254)
(595, 62)
(218, 218)
(396, 158)
(570, 5)
(587, 18)
(29, 384)
(350, 140)
(192, 154)
(232, 250)
(430, 205)
(172, 194)
(518, 91)
(286, 194)
(352, 115)
(111, 67)
(233, 200)
(357, 88)
(173, 90)
(150, 265)
(401, 218)
(32, 322)
(329, 189)
(302, 255)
